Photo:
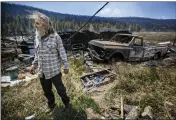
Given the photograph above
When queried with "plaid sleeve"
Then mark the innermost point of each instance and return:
(35, 62)
(62, 51)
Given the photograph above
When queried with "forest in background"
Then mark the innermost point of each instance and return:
(14, 21)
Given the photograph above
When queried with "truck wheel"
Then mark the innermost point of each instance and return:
(115, 59)
(156, 56)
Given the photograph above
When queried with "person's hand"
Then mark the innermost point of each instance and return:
(30, 69)
(66, 71)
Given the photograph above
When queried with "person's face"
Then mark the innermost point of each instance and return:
(38, 24)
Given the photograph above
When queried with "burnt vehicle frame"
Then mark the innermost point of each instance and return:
(126, 47)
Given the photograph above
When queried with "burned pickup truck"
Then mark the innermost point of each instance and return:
(126, 47)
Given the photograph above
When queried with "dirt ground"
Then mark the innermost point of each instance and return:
(99, 94)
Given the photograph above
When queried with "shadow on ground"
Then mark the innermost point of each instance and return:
(72, 114)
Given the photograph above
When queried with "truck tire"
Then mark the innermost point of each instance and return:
(115, 59)
(157, 56)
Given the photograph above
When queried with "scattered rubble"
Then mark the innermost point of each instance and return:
(92, 115)
(5, 79)
(77, 54)
(130, 112)
(26, 58)
(128, 108)
(112, 112)
(147, 114)
(133, 114)
(77, 50)
(12, 72)
(87, 57)
(171, 61)
(9, 82)
(97, 79)
(91, 66)
(21, 76)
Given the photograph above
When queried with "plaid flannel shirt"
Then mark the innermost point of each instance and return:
(49, 55)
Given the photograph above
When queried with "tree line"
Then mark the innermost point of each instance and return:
(15, 25)
(14, 21)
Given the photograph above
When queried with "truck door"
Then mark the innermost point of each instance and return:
(137, 51)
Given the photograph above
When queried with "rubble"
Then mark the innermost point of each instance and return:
(12, 72)
(92, 115)
(133, 114)
(112, 113)
(21, 76)
(77, 54)
(92, 67)
(147, 114)
(5, 79)
(172, 50)
(77, 50)
(96, 79)
(171, 61)
(28, 77)
(26, 58)
(151, 63)
(128, 108)
(89, 63)
(16, 74)
(129, 112)
(87, 57)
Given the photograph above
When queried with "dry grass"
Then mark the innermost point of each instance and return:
(145, 86)
(155, 37)
(21, 101)
(138, 84)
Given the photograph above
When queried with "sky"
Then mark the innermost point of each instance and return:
(157, 10)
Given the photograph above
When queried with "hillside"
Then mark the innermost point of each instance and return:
(15, 15)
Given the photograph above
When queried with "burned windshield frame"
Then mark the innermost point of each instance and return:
(122, 38)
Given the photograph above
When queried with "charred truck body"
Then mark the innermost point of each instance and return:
(125, 47)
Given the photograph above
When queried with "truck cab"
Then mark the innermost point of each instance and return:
(126, 47)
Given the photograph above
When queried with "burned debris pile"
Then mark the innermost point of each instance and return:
(129, 112)
(17, 54)
(167, 62)
(110, 46)
(97, 79)
(125, 112)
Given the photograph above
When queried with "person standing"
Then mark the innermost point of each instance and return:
(49, 55)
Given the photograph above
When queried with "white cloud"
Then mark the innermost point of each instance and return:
(163, 17)
(109, 12)
(121, 9)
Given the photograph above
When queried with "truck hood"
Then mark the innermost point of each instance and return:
(107, 44)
